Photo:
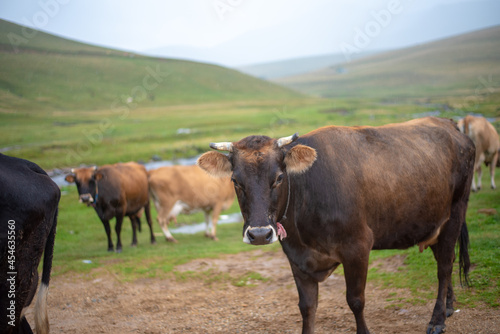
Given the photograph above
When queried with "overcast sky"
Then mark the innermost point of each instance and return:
(263, 30)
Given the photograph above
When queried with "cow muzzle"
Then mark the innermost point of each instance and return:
(87, 199)
(260, 235)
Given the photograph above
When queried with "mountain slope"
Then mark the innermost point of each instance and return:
(453, 66)
(42, 71)
(296, 66)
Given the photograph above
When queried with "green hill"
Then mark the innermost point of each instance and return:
(456, 66)
(44, 72)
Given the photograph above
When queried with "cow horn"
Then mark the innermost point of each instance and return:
(223, 146)
(287, 140)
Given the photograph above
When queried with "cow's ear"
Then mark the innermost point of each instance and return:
(215, 164)
(299, 159)
(70, 178)
(98, 176)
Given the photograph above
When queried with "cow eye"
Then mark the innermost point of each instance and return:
(236, 184)
(278, 181)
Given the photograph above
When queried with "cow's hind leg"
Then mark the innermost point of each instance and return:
(211, 220)
(493, 164)
(308, 298)
(444, 252)
(355, 272)
(135, 223)
(147, 209)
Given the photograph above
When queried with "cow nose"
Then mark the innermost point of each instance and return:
(86, 198)
(260, 235)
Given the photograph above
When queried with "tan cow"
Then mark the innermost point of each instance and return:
(187, 189)
(485, 137)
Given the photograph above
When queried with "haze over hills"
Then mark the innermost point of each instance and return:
(466, 65)
(416, 22)
(42, 71)
(285, 68)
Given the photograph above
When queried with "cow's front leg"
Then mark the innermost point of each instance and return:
(118, 229)
(107, 228)
(308, 298)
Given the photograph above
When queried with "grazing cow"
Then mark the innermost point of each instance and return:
(28, 219)
(186, 189)
(115, 191)
(485, 137)
(336, 193)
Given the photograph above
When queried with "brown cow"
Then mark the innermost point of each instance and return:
(336, 193)
(186, 189)
(485, 137)
(115, 191)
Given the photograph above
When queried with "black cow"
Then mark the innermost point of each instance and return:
(28, 219)
(336, 193)
(117, 190)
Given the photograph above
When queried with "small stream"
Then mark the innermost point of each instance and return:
(60, 181)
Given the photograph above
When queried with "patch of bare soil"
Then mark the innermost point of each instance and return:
(197, 305)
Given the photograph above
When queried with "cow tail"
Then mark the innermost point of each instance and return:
(464, 261)
(466, 126)
(41, 316)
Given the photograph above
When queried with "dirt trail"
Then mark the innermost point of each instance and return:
(197, 305)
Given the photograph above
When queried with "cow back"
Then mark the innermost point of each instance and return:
(395, 179)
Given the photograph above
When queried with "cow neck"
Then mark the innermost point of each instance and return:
(287, 199)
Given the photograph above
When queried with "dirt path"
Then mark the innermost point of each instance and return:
(216, 305)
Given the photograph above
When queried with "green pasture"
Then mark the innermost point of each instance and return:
(56, 139)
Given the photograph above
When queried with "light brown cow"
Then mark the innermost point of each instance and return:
(186, 189)
(485, 137)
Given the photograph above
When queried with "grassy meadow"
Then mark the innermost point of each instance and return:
(64, 104)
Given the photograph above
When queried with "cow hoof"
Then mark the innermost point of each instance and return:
(449, 312)
(133, 245)
(436, 329)
(171, 240)
(153, 242)
(118, 250)
(110, 249)
(213, 237)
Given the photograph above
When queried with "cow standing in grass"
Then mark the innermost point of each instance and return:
(187, 189)
(117, 190)
(485, 137)
(28, 219)
(336, 193)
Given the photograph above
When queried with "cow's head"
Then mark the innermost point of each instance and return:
(85, 180)
(258, 167)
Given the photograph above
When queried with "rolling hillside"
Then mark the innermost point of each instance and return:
(44, 72)
(296, 66)
(465, 65)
